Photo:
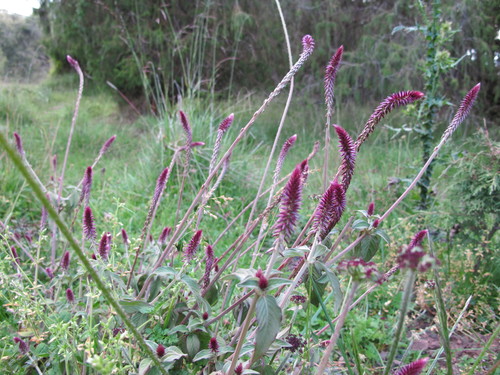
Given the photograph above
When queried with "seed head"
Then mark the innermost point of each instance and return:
(70, 296)
(88, 224)
(192, 246)
(330, 75)
(23, 346)
(414, 368)
(392, 101)
(290, 205)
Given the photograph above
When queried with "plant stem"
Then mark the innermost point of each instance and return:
(410, 280)
(244, 330)
(338, 327)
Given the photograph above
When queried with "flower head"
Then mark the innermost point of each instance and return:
(330, 209)
(88, 224)
(23, 346)
(263, 282)
(160, 350)
(284, 151)
(371, 209)
(65, 261)
(213, 345)
(462, 112)
(70, 296)
(226, 123)
(19, 144)
(330, 75)
(86, 185)
(192, 246)
(125, 237)
(73, 62)
(239, 369)
(388, 104)
(307, 44)
(296, 343)
(209, 262)
(107, 145)
(414, 257)
(414, 368)
(347, 150)
(163, 236)
(105, 246)
(15, 255)
(290, 204)
(298, 299)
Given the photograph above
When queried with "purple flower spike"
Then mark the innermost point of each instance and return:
(371, 209)
(239, 369)
(70, 296)
(307, 44)
(347, 149)
(417, 240)
(65, 261)
(160, 186)
(73, 62)
(107, 145)
(185, 126)
(105, 245)
(414, 368)
(160, 350)
(213, 345)
(413, 256)
(88, 224)
(193, 246)
(226, 123)
(23, 346)
(330, 209)
(290, 204)
(462, 112)
(392, 101)
(330, 75)
(360, 270)
(163, 236)
(284, 151)
(49, 272)
(263, 282)
(19, 144)
(125, 237)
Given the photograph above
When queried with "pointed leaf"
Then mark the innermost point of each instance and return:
(268, 315)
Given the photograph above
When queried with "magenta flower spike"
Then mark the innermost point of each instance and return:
(239, 369)
(193, 246)
(161, 182)
(330, 75)
(281, 158)
(307, 45)
(88, 224)
(347, 150)
(19, 144)
(125, 237)
(15, 255)
(23, 346)
(290, 204)
(413, 256)
(73, 62)
(226, 123)
(107, 145)
(414, 368)
(70, 296)
(371, 209)
(462, 112)
(163, 236)
(263, 282)
(65, 260)
(186, 127)
(105, 246)
(49, 272)
(392, 101)
(330, 209)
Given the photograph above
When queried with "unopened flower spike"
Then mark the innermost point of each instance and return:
(263, 282)
(347, 150)
(23, 346)
(88, 224)
(73, 62)
(213, 345)
(371, 209)
(65, 261)
(107, 145)
(86, 186)
(70, 295)
(19, 144)
(105, 246)
(283, 153)
(160, 350)
(163, 236)
(209, 262)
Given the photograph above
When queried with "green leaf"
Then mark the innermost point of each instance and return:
(381, 233)
(296, 252)
(164, 271)
(334, 282)
(249, 283)
(276, 282)
(203, 354)
(136, 306)
(360, 224)
(192, 345)
(367, 248)
(268, 315)
(315, 277)
(172, 353)
(144, 366)
(196, 290)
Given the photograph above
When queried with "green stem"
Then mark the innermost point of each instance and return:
(38, 191)
(485, 349)
(410, 280)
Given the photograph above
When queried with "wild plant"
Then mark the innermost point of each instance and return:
(184, 304)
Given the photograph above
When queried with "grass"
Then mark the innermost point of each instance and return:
(124, 182)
